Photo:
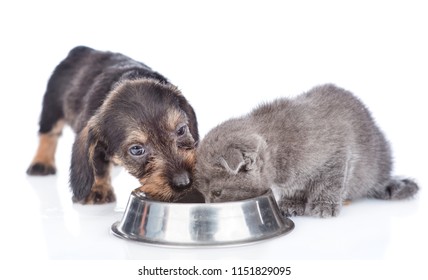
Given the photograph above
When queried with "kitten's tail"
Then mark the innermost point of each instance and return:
(397, 188)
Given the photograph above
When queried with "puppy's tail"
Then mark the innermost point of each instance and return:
(397, 188)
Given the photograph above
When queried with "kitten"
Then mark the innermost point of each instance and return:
(315, 151)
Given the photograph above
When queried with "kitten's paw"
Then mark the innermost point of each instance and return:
(290, 208)
(322, 209)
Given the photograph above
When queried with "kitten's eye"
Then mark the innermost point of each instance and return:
(216, 193)
(136, 150)
(182, 130)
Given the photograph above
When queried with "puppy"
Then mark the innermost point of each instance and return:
(314, 151)
(122, 112)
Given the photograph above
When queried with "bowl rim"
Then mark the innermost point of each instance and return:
(141, 195)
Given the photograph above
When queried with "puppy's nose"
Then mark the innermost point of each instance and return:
(181, 180)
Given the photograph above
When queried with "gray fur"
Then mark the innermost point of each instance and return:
(315, 151)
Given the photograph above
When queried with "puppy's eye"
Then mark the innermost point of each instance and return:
(136, 150)
(216, 193)
(181, 130)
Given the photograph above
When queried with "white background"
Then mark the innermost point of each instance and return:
(226, 57)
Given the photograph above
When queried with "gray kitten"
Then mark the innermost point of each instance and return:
(315, 151)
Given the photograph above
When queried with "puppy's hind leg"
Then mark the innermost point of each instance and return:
(50, 126)
(44, 161)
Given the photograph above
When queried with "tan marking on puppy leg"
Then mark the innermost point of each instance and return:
(44, 161)
(101, 191)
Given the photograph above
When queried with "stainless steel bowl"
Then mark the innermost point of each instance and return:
(199, 224)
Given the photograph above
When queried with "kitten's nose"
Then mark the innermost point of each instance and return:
(181, 180)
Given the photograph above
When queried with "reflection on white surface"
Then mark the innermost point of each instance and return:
(52, 227)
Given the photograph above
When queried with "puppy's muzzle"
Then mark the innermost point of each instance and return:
(181, 180)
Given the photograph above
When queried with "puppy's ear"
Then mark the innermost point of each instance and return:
(243, 155)
(86, 154)
(193, 123)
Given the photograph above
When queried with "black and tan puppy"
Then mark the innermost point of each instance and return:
(122, 112)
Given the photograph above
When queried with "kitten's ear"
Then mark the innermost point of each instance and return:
(235, 161)
(241, 157)
(232, 161)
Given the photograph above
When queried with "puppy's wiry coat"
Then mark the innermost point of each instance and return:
(122, 112)
(315, 151)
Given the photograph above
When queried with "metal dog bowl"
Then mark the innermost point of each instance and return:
(199, 224)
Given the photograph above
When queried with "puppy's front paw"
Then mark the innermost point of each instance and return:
(322, 209)
(290, 208)
(37, 168)
(100, 194)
